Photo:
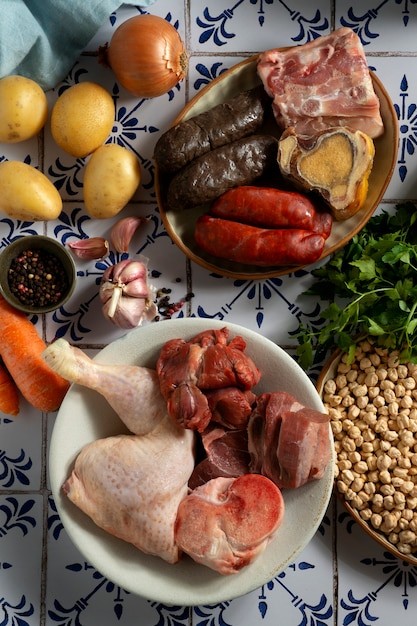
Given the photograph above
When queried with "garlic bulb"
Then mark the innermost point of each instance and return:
(127, 297)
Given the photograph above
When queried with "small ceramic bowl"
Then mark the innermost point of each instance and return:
(48, 248)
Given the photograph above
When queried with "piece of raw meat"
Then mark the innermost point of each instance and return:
(226, 454)
(228, 522)
(288, 442)
(131, 486)
(322, 84)
(230, 406)
(188, 369)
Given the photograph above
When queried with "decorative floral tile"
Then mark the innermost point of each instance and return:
(245, 26)
(78, 594)
(272, 306)
(21, 450)
(373, 585)
(21, 541)
(383, 27)
(398, 78)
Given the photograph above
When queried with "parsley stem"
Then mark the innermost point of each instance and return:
(363, 295)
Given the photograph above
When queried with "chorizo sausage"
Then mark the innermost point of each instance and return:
(239, 117)
(268, 207)
(239, 163)
(251, 245)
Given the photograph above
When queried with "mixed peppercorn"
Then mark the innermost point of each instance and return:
(37, 278)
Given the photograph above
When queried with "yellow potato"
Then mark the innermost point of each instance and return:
(82, 118)
(23, 109)
(111, 177)
(27, 194)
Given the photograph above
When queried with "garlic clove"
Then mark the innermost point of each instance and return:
(137, 288)
(131, 271)
(123, 230)
(93, 248)
(127, 314)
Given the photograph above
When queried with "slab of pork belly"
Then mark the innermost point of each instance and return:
(228, 522)
(322, 84)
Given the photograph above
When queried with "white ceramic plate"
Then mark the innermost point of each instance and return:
(180, 225)
(85, 416)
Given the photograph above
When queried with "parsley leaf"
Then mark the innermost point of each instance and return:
(371, 287)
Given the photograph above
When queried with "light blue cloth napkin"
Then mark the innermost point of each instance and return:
(42, 39)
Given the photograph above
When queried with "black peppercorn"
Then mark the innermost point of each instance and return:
(37, 278)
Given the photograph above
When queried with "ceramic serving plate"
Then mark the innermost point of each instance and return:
(328, 372)
(85, 416)
(180, 225)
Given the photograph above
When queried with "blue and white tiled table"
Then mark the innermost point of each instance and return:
(342, 577)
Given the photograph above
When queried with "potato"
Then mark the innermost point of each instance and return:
(27, 194)
(111, 177)
(23, 109)
(82, 118)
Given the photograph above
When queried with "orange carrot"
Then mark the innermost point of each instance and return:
(21, 347)
(9, 395)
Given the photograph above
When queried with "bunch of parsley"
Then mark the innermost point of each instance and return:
(374, 279)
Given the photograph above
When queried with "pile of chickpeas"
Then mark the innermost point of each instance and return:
(372, 404)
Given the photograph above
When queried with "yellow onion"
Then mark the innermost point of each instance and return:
(147, 55)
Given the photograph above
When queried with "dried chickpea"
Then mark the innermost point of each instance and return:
(366, 514)
(376, 520)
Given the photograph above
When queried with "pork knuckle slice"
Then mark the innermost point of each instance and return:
(228, 522)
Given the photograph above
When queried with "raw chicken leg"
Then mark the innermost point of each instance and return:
(130, 485)
(132, 391)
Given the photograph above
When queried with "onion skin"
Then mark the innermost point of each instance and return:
(147, 55)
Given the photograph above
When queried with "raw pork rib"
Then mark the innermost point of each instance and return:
(228, 522)
(322, 84)
(287, 441)
(188, 369)
(130, 485)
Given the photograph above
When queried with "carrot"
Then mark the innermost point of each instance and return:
(9, 395)
(21, 347)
